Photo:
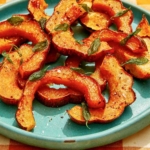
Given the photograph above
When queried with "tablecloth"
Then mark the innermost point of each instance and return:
(138, 141)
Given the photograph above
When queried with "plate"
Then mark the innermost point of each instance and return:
(54, 129)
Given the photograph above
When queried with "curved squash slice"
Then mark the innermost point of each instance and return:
(121, 94)
(112, 7)
(34, 34)
(138, 71)
(9, 74)
(58, 97)
(69, 46)
(60, 75)
(93, 20)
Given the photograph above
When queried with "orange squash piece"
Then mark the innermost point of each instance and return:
(37, 8)
(112, 7)
(93, 20)
(9, 74)
(34, 34)
(144, 26)
(98, 76)
(60, 75)
(121, 94)
(58, 97)
(66, 11)
(137, 71)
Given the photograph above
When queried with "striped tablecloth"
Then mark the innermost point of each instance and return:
(138, 141)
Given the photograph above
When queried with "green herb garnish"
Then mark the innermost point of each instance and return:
(6, 55)
(62, 27)
(79, 42)
(78, 69)
(124, 41)
(40, 46)
(39, 74)
(121, 13)
(137, 61)
(15, 20)
(86, 8)
(86, 113)
(94, 46)
(42, 22)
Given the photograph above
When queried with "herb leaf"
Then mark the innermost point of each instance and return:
(40, 46)
(124, 41)
(86, 113)
(86, 8)
(121, 13)
(39, 74)
(42, 22)
(15, 20)
(137, 61)
(94, 46)
(6, 55)
(79, 42)
(77, 69)
(62, 27)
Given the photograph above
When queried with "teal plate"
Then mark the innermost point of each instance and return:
(54, 129)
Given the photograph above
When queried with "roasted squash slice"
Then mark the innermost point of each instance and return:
(58, 97)
(37, 8)
(138, 71)
(112, 7)
(9, 74)
(93, 20)
(66, 11)
(34, 34)
(60, 75)
(145, 27)
(69, 46)
(121, 94)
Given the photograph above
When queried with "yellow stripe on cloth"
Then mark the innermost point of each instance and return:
(140, 2)
(2, 1)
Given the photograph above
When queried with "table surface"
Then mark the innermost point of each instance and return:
(138, 141)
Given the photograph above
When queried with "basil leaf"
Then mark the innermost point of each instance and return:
(121, 13)
(6, 55)
(39, 74)
(77, 69)
(42, 22)
(86, 113)
(62, 27)
(137, 61)
(79, 42)
(40, 46)
(124, 41)
(94, 46)
(86, 8)
(15, 20)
